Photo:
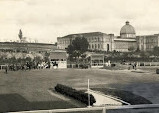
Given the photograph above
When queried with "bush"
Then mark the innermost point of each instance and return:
(84, 66)
(141, 64)
(113, 65)
(78, 95)
(157, 71)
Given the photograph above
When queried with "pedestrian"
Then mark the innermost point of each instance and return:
(135, 65)
(6, 69)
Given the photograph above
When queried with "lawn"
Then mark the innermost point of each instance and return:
(28, 90)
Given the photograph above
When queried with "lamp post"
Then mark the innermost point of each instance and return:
(88, 95)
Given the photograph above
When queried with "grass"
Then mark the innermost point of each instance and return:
(30, 88)
(126, 96)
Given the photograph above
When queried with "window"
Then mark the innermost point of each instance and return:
(95, 46)
(89, 46)
(92, 46)
(107, 47)
(98, 46)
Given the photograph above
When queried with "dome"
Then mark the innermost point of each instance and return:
(127, 31)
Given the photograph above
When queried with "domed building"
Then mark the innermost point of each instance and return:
(127, 31)
(127, 40)
(104, 42)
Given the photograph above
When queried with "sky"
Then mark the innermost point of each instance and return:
(45, 20)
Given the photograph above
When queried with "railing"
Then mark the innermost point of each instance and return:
(137, 109)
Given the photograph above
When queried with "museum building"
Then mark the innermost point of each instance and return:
(110, 42)
(103, 41)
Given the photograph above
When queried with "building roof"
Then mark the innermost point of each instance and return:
(127, 29)
(84, 34)
(125, 40)
(153, 35)
(58, 55)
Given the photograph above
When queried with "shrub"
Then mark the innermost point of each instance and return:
(141, 64)
(78, 95)
(113, 65)
(83, 66)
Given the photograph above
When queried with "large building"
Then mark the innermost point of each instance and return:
(103, 41)
(148, 42)
(97, 40)
(109, 42)
(26, 47)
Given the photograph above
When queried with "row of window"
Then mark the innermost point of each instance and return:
(64, 42)
(96, 39)
(128, 35)
(95, 46)
(149, 46)
(149, 40)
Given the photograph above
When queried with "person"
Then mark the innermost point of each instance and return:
(129, 67)
(6, 69)
(135, 65)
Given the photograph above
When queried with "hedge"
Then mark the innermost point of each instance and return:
(78, 95)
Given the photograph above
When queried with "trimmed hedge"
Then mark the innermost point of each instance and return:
(78, 95)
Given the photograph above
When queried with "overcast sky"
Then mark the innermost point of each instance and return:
(45, 20)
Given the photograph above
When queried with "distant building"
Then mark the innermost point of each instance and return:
(97, 40)
(26, 47)
(148, 42)
(58, 58)
(127, 38)
(103, 41)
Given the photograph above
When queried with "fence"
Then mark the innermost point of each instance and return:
(3, 67)
(148, 63)
(143, 108)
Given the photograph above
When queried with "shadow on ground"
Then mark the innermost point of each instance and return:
(15, 102)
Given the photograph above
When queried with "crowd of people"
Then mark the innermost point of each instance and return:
(26, 66)
(132, 65)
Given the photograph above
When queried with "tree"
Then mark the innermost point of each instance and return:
(78, 47)
(20, 34)
(156, 51)
(46, 58)
(131, 49)
(55, 43)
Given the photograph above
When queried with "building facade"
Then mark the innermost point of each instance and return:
(97, 40)
(58, 58)
(148, 42)
(26, 47)
(109, 42)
